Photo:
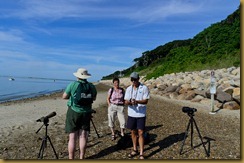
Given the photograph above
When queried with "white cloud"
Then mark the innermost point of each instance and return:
(12, 36)
(61, 62)
(51, 69)
(116, 33)
(135, 10)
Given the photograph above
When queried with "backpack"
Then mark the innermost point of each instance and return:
(82, 95)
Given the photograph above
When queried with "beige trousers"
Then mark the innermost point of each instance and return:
(113, 111)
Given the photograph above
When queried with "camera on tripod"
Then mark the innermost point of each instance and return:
(46, 138)
(46, 118)
(190, 125)
(188, 110)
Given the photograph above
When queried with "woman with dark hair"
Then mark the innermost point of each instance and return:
(115, 100)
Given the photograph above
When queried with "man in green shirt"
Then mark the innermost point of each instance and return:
(80, 95)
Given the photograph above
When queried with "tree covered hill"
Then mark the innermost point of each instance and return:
(217, 46)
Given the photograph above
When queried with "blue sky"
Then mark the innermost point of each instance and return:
(53, 38)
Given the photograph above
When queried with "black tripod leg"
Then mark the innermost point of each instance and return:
(95, 128)
(191, 133)
(41, 151)
(52, 147)
(186, 133)
(201, 138)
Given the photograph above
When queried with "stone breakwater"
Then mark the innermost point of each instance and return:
(195, 87)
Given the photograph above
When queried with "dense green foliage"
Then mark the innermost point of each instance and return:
(217, 46)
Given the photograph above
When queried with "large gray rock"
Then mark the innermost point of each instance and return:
(161, 86)
(223, 97)
(200, 92)
(197, 98)
(189, 95)
(170, 89)
(236, 95)
(194, 86)
(232, 105)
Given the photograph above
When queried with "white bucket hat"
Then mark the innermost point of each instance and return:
(82, 73)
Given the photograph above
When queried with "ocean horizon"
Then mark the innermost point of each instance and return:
(16, 88)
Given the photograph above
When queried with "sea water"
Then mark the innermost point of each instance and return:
(20, 88)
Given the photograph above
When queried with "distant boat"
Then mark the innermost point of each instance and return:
(11, 79)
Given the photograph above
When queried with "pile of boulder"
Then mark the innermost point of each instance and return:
(195, 86)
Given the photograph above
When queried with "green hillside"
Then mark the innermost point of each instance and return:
(217, 46)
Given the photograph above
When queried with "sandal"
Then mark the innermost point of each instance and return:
(132, 153)
(113, 137)
(141, 157)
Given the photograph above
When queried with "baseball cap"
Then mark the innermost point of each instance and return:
(134, 75)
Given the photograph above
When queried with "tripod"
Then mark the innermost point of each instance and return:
(44, 141)
(191, 123)
(95, 128)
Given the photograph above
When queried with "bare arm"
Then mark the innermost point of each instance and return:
(131, 102)
(141, 101)
(128, 102)
(65, 96)
(108, 99)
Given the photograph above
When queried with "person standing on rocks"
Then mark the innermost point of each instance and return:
(115, 102)
(80, 95)
(136, 97)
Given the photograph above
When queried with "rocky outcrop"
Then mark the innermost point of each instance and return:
(195, 86)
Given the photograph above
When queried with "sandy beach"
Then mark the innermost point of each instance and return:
(166, 124)
(24, 113)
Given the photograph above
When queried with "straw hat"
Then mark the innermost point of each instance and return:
(82, 73)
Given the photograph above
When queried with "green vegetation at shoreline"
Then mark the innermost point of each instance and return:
(217, 46)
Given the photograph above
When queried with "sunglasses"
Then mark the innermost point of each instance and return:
(133, 79)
